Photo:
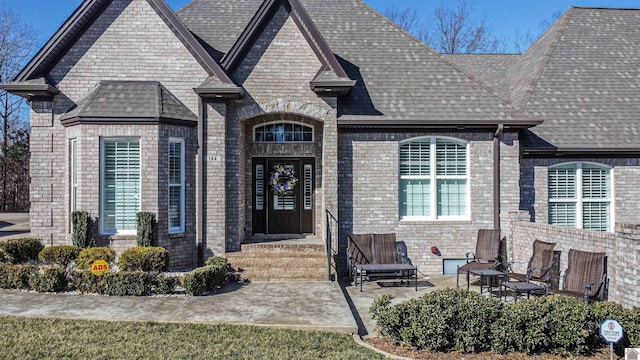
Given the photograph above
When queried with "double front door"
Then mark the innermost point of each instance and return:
(283, 195)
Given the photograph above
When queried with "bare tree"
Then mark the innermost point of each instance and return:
(406, 18)
(453, 30)
(16, 44)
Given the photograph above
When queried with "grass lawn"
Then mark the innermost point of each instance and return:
(34, 338)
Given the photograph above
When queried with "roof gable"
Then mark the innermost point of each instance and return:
(86, 14)
(584, 83)
(330, 76)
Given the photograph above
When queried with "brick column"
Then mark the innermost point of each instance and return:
(622, 266)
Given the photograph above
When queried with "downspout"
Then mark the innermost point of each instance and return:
(496, 177)
(200, 183)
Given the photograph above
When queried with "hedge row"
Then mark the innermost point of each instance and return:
(461, 320)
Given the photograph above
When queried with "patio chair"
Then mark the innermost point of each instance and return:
(486, 256)
(385, 250)
(359, 250)
(539, 264)
(585, 277)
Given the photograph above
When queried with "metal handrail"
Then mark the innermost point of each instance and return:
(329, 242)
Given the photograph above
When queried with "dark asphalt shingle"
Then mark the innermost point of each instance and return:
(130, 100)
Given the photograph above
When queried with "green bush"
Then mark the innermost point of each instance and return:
(21, 250)
(204, 279)
(155, 259)
(628, 318)
(550, 324)
(48, 280)
(4, 258)
(146, 228)
(89, 255)
(443, 320)
(16, 276)
(166, 284)
(59, 255)
(128, 283)
(81, 235)
(87, 283)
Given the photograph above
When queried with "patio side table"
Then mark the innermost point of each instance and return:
(520, 287)
(489, 274)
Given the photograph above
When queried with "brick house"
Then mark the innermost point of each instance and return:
(187, 114)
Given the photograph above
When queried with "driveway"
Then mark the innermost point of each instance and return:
(14, 225)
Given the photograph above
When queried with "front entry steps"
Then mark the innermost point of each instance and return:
(280, 261)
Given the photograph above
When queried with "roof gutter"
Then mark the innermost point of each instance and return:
(496, 176)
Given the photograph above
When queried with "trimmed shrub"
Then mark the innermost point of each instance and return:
(81, 235)
(207, 278)
(88, 256)
(166, 285)
(21, 250)
(86, 282)
(155, 259)
(443, 320)
(128, 283)
(4, 258)
(628, 318)
(51, 279)
(59, 255)
(16, 276)
(217, 261)
(550, 324)
(146, 226)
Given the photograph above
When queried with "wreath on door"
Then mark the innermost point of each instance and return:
(283, 179)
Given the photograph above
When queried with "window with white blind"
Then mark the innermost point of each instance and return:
(434, 179)
(580, 196)
(176, 186)
(120, 185)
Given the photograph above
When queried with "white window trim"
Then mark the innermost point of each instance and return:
(579, 199)
(433, 181)
(102, 141)
(313, 132)
(73, 178)
(177, 229)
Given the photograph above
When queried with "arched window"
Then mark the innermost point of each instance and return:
(283, 132)
(580, 196)
(434, 179)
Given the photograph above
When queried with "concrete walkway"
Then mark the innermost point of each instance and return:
(310, 306)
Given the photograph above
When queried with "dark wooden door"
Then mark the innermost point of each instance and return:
(284, 209)
(275, 212)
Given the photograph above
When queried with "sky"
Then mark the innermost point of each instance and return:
(504, 17)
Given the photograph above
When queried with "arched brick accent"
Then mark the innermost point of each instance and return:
(292, 108)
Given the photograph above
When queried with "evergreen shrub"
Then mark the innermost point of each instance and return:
(16, 276)
(89, 255)
(128, 283)
(81, 234)
(204, 279)
(21, 250)
(59, 255)
(154, 259)
(50, 279)
(443, 320)
(166, 285)
(146, 228)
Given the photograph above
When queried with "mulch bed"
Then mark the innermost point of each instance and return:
(389, 346)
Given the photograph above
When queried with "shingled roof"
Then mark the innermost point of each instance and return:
(400, 80)
(130, 102)
(582, 78)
